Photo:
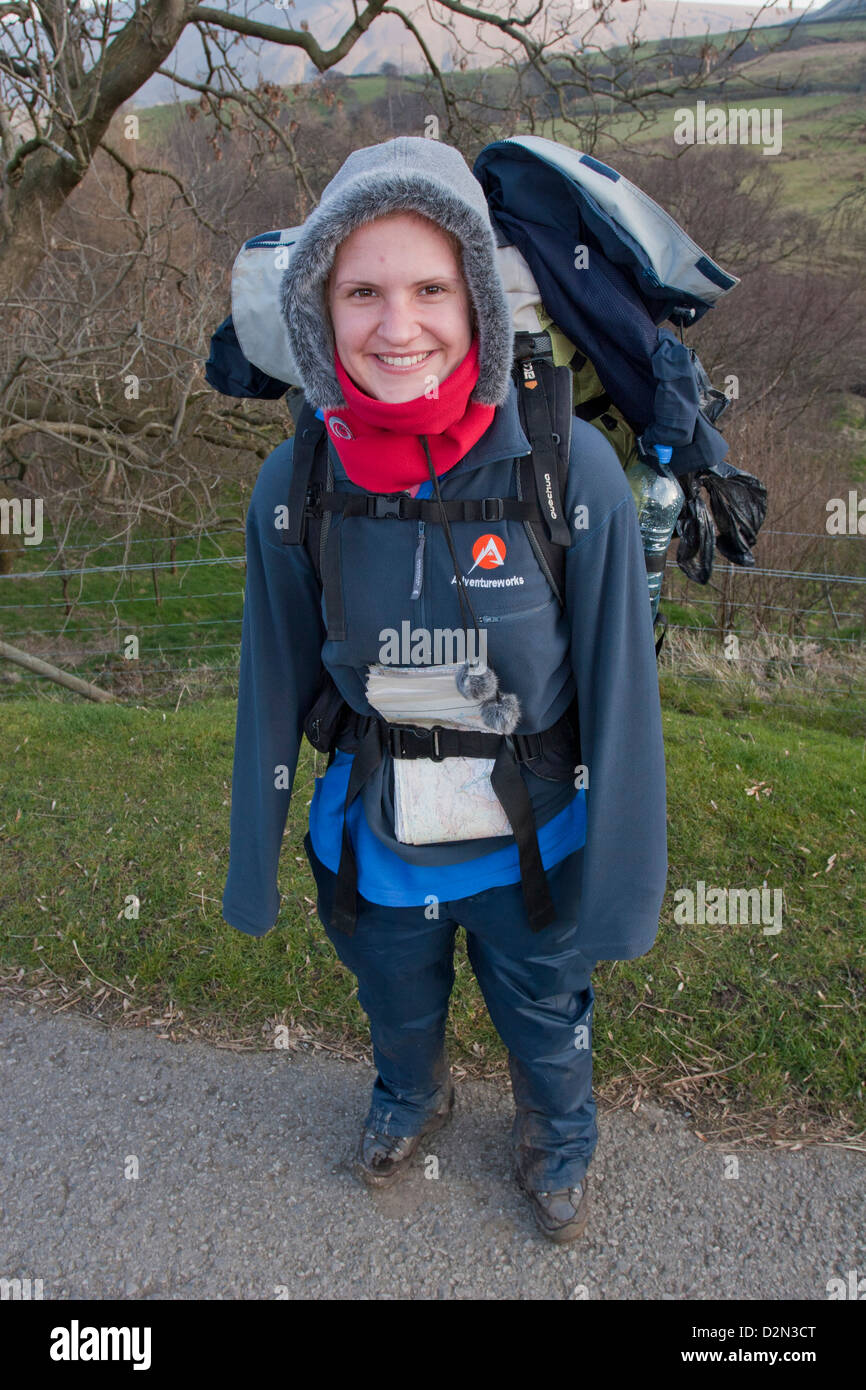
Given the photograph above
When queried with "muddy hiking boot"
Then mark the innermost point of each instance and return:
(560, 1216)
(380, 1159)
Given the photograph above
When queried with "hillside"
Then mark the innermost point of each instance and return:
(816, 77)
(388, 41)
(815, 73)
(838, 9)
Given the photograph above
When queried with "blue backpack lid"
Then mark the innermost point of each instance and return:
(671, 273)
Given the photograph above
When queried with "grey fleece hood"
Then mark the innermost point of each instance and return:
(409, 173)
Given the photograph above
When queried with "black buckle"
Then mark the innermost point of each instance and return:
(379, 506)
(312, 499)
(527, 747)
(397, 746)
(396, 742)
(528, 344)
(485, 513)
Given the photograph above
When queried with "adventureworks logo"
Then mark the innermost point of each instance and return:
(488, 553)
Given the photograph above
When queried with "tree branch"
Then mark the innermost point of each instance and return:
(294, 38)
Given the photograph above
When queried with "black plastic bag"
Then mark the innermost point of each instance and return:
(695, 528)
(739, 504)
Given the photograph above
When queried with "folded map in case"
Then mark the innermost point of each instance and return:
(423, 695)
(436, 802)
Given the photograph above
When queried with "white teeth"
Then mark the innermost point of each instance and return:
(403, 361)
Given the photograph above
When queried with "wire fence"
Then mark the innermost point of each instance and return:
(786, 618)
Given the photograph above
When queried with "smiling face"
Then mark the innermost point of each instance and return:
(399, 305)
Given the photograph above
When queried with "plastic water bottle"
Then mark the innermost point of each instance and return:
(659, 501)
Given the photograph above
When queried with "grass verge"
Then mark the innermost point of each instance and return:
(758, 1037)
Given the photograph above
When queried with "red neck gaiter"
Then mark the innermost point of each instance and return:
(378, 443)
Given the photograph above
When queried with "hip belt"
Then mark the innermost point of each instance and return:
(551, 754)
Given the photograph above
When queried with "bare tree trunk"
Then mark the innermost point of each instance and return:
(44, 668)
(8, 551)
(40, 180)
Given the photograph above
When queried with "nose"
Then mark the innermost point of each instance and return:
(399, 324)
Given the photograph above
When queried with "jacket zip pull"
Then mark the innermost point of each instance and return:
(419, 561)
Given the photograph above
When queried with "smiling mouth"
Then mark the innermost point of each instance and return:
(392, 360)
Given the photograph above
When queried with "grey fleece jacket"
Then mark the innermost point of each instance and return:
(602, 646)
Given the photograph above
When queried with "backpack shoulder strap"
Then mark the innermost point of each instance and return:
(309, 524)
(309, 432)
(544, 397)
(552, 423)
(318, 521)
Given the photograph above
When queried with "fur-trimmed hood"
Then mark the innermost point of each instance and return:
(409, 173)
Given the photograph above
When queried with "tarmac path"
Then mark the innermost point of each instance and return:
(243, 1189)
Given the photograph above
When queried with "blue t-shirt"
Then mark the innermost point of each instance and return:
(383, 877)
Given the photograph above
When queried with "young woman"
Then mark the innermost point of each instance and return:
(400, 326)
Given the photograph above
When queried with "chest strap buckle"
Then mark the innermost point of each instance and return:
(379, 506)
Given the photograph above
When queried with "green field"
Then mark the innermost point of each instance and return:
(103, 804)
